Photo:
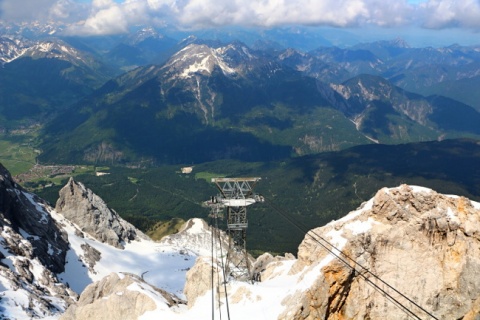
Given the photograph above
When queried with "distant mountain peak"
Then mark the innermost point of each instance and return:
(400, 43)
(144, 34)
(11, 48)
(201, 59)
(53, 49)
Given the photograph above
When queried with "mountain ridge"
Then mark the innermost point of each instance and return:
(231, 91)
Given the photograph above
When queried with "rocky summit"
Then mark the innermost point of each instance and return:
(88, 211)
(409, 252)
(407, 240)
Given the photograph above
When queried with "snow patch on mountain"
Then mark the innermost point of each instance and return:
(12, 48)
(201, 59)
(162, 265)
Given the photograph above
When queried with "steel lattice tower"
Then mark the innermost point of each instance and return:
(235, 195)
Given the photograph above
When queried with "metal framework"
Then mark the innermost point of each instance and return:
(235, 195)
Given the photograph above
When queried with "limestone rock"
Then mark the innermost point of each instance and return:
(199, 279)
(90, 213)
(264, 266)
(424, 244)
(118, 297)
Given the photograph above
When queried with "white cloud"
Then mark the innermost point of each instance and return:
(105, 21)
(25, 9)
(451, 13)
(109, 16)
(338, 13)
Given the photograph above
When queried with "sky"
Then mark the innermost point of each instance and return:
(460, 18)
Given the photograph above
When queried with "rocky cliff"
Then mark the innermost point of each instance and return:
(424, 244)
(118, 296)
(24, 213)
(92, 215)
(33, 249)
(47, 260)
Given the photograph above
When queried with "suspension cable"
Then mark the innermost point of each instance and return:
(214, 261)
(317, 239)
(212, 275)
(218, 274)
(223, 267)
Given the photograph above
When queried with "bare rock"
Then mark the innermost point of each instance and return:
(423, 244)
(91, 214)
(26, 216)
(91, 256)
(118, 297)
(199, 279)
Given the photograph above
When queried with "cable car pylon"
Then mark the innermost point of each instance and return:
(235, 195)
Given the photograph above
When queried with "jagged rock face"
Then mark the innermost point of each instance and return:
(424, 244)
(84, 208)
(24, 213)
(32, 250)
(117, 297)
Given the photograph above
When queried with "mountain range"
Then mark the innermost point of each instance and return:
(44, 73)
(209, 102)
(141, 105)
(328, 128)
(148, 100)
(39, 78)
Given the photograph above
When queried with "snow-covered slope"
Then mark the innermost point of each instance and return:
(162, 265)
(202, 59)
(11, 49)
(33, 285)
(423, 244)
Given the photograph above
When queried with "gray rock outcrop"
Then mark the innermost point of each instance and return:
(91, 214)
(25, 214)
(32, 251)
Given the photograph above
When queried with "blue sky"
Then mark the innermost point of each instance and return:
(449, 19)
